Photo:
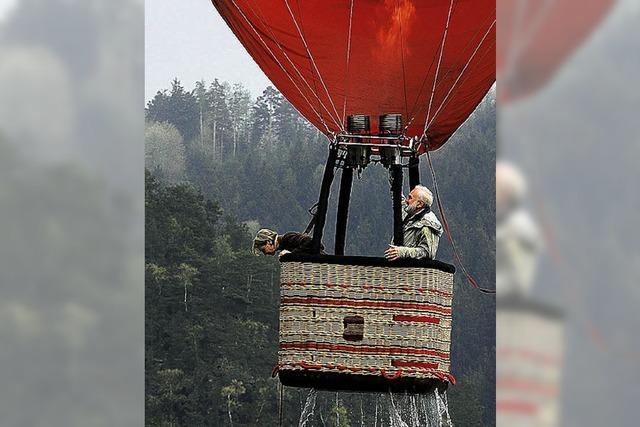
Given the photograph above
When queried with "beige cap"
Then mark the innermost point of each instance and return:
(263, 237)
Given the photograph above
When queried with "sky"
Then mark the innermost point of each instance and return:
(5, 6)
(189, 40)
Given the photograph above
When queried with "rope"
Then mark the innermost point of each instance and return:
(312, 222)
(464, 69)
(293, 65)
(435, 78)
(404, 78)
(513, 52)
(574, 294)
(280, 65)
(313, 62)
(518, 44)
(444, 75)
(447, 230)
(346, 91)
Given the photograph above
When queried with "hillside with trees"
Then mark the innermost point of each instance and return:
(222, 164)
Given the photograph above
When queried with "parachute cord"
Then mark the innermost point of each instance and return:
(447, 230)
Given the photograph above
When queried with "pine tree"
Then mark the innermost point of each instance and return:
(177, 107)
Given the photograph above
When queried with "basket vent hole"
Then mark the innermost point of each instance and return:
(353, 328)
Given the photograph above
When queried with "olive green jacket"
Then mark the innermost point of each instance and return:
(422, 233)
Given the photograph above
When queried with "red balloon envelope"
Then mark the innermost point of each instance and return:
(430, 60)
(535, 37)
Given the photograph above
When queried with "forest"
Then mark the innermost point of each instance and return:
(219, 165)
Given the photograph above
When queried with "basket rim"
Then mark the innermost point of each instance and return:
(521, 304)
(365, 261)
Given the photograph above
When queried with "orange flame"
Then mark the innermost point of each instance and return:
(402, 15)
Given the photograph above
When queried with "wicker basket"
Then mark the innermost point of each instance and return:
(364, 324)
(529, 353)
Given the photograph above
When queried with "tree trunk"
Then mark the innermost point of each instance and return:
(235, 141)
(215, 129)
(201, 129)
(221, 146)
(185, 296)
(229, 409)
(249, 282)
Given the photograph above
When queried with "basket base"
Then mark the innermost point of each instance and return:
(335, 381)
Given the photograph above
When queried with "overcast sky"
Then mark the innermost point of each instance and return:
(187, 39)
(5, 5)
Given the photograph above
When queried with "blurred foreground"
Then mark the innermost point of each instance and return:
(71, 203)
(566, 120)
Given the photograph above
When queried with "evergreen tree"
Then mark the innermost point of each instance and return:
(200, 92)
(220, 119)
(227, 336)
(177, 107)
(263, 132)
(239, 106)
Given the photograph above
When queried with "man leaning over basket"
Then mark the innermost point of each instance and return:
(420, 226)
(268, 242)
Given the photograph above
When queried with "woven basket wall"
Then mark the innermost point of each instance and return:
(529, 353)
(406, 313)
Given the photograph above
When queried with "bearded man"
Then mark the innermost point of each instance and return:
(420, 226)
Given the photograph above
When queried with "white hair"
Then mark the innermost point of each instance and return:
(424, 195)
(511, 179)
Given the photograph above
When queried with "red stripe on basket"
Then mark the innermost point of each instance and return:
(423, 319)
(530, 355)
(307, 365)
(413, 364)
(527, 386)
(444, 376)
(437, 292)
(367, 287)
(393, 376)
(517, 406)
(371, 304)
(311, 345)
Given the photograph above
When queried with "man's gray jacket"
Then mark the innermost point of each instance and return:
(422, 233)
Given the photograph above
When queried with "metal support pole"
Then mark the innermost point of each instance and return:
(346, 180)
(396, 192)
(414, 171)
(323, 200)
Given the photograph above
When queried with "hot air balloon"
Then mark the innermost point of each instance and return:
(529, 350)
(385, 81)
(536, 38)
